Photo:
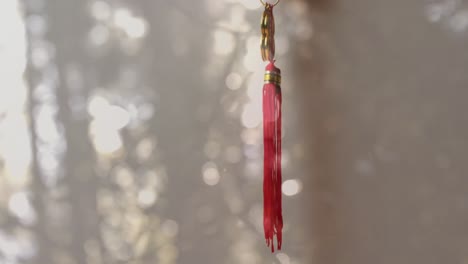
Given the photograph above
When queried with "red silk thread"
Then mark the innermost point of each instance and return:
(272, 177)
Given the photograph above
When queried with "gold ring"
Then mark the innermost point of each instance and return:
(263, 3)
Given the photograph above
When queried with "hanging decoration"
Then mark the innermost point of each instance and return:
(272, 100)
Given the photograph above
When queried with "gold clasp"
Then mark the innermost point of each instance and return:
(268, 33)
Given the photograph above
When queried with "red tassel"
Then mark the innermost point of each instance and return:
(272, 209)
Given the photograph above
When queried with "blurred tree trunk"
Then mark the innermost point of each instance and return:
(69, 27)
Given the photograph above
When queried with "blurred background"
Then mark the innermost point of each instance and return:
(130, 131)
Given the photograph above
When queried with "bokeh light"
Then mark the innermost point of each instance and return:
(291, 187)
(95, 162)
(211, 174)
(224, 42)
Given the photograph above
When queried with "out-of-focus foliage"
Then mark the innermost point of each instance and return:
(130, 132)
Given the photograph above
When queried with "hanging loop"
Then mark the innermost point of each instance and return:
(264, 3)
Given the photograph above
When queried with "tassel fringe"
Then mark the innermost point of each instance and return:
(272, 100)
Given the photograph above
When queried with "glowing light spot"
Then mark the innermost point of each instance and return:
(252, 115)
(108, 119)
(144, 150)
(211, 174)
(49, 159)
(48, 162)
(291, 187)
(15, 148)
(107, 143)
(237, 21)
(134, 27)
(145, 111)
(15, 151)
(283, 258)
(47, 129)
(41, 55)
(147, 197)
(97, 105)
(233, 81)
(20, 206)
(224, 42)
(123, 176)
(106, 116)
(9, 246)
(16, 246)
(121, 17)
(99, 35)
(170, 228)
(37, 25)
(12, 46)
(251, 136)
(137, 28)
(120, 117)
(100, 10)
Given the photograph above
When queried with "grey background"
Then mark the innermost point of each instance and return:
(374, 120)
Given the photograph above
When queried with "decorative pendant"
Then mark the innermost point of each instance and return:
(272, 100)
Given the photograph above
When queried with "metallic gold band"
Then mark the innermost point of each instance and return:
(272, 77)
(273, 82)
(267, 50)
